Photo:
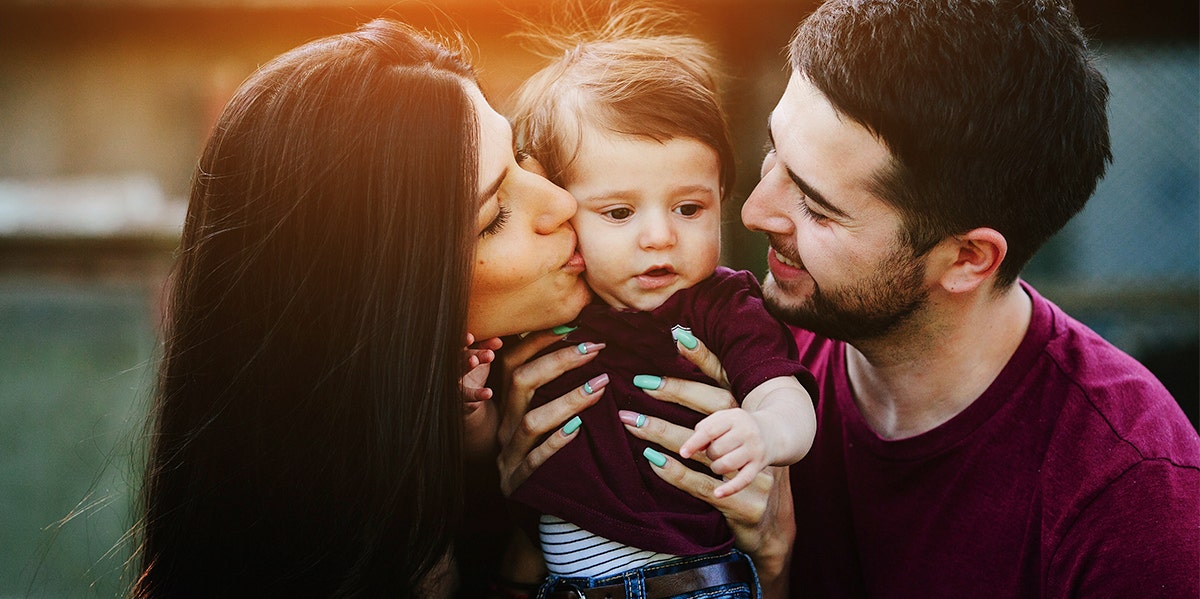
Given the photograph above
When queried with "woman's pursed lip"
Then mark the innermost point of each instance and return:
(575, 262)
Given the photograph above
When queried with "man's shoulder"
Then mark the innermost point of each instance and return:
(1129, 405)
(1104, 418)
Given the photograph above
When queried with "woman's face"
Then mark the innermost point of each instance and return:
(527, 268)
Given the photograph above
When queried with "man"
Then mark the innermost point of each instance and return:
(972, 440)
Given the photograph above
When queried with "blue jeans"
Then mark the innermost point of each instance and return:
(635, 579)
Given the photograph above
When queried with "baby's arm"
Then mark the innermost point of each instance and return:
(775, 426)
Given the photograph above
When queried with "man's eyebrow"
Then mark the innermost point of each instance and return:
(805, 188)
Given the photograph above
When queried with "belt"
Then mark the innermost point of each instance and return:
(666, 585)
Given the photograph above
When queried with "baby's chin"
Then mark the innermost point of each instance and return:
(639, 302)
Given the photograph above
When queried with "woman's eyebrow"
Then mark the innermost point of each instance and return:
(493, 188)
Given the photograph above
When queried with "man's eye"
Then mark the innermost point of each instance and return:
(816, 217)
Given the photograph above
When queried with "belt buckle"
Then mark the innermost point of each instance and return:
(572, 592)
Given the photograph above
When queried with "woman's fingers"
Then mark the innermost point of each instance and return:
(521, 453)
(525, 379)
(761, 515)
(526, 436)
(668, 435)
(516, 473)
(745, 507)
(700, 355)
(698, 396)
(520, 352)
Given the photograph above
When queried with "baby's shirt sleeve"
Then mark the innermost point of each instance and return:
(729, 316)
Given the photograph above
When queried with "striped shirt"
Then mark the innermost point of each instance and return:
(575, 552)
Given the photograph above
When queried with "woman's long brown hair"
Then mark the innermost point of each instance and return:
(307, 429)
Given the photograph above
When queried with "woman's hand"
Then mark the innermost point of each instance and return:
(761, 516)
(521, 428)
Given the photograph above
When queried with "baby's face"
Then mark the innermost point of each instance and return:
(649, 218)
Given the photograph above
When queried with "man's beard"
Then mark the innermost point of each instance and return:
(868, 309)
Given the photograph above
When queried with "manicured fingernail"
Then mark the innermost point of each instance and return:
(647, 381)
(684, 336)
(633, 418)
(655, 458)
(597, 383)
(572, 425)
(584, 348)
(563, 329)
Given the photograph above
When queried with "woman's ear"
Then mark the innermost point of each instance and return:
(973, 258)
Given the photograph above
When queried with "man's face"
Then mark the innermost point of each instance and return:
(837, 265)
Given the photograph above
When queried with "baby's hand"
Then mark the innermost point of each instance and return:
(478, 359)
(733, 440)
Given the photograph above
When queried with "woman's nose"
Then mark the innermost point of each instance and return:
(556, 206)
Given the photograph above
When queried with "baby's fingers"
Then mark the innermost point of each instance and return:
(699, 441)
(743, 479)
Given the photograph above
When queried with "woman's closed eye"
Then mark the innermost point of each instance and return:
(497, 223)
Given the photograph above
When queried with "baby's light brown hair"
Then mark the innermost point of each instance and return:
(634, 73)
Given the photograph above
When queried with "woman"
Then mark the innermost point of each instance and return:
(357, 210)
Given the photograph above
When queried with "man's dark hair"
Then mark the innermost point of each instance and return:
(993, 111)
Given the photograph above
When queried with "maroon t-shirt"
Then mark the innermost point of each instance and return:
(1074, 474)
(600, 481)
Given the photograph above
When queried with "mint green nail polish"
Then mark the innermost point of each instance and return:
(655, 458)
(647, 381)
(641, 421)
(684, 337)
(572, 425)
(562, 329)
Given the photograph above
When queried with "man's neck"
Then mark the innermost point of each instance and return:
(922, 376)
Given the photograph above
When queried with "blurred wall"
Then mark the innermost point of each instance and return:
(104, 106)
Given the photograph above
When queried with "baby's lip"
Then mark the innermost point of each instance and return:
(656, 277)
(658, 270)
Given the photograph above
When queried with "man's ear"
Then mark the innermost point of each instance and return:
(971, 259)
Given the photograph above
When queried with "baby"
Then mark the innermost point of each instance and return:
(627, 119)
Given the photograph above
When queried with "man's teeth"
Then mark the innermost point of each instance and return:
(786, 261)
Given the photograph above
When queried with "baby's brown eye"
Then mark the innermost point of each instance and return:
(620, 213)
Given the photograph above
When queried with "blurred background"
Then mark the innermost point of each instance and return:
(105, 104)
